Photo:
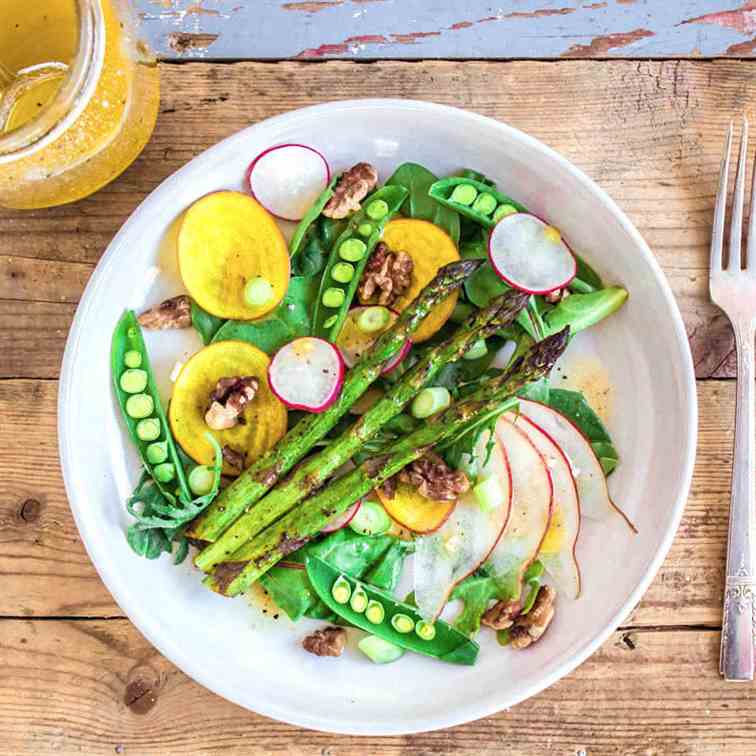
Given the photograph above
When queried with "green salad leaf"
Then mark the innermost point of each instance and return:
(574, 406)
(204, 323)
(587, 275)
(290, 320)
(417, 180)
(476, 593)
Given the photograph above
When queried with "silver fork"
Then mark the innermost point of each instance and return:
(732, 285)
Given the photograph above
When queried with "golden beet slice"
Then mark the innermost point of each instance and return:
(225, 240)
(264, 417)
(430, 249)
(415, 512)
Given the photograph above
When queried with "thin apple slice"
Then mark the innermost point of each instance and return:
(595, 502)
(557, 553)
(465, 540)
(532, 500)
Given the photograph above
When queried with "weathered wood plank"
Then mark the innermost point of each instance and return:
(412, 29)
(64, 688)
(650, 133)
(44, 569)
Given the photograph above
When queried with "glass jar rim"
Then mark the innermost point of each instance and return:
(73, 96)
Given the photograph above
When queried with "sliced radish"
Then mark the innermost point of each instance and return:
(595, 502)
(343, 519)
(530, 255)
(462, 544)
(287, 179)
(307, 374)
(532, 500)
(557, 553)
(354, 341)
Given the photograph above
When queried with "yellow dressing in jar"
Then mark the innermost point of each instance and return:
(79, 98)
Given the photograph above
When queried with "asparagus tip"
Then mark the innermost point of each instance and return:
(509, 304)
(544, 354)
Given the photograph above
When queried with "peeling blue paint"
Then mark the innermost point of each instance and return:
(413, 29)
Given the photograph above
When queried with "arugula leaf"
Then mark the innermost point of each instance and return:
(204, 323)
(147, 543)
(574, 406)
(290, 320)
(476, 592)
(417, 180)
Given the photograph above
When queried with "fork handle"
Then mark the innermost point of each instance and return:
(736, 661)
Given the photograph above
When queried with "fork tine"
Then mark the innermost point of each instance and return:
(750, 260)
(717, 232)
(736, 222)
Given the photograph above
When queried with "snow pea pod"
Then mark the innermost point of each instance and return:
(310, 217)
(477, 201)
(354, 248)
(399, 623)
(148, 426)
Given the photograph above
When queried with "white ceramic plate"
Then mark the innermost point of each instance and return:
(257, 662)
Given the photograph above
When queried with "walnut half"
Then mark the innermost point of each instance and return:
(531, 626)
(228, 401)
(172, 313)
(432, 478)
(327, 642)
(386, 277)
(350, 190)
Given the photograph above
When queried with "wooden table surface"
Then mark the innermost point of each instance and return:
(650, 133)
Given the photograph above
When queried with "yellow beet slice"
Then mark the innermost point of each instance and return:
(430, 249)
(413, 511)
(264, 416)
(226, 239)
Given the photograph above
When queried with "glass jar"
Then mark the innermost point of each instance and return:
(79, 97)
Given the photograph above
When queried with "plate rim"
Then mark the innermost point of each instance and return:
(495, 702)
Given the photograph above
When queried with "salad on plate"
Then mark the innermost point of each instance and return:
(370, 433)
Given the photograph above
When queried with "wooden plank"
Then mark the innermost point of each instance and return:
(65, 688)
(45, 571)
(412, 29)
(649, 133)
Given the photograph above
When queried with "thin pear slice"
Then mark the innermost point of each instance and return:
(595, 502)
(532, 501)
(557, 552)
(446, 557)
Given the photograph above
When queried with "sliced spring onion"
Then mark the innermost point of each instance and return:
(341, 590)
(164, 473)
(502, 211)
(201, 480)
(402, 623)
(139, 406)
(476, 351)
(380, 651)
(133, 381)
(377, 210)
(464, 194)
(359, 600)
(352, 250)
(343, 272)
(370, 519)
(375, 613)
(373, 319)
(426, 630)
(148, 429)
(157, 452)
(333, 297)
(132, 359)
(430, 401)
(488, 493)
(258, 291)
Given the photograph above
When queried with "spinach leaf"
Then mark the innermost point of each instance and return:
(311, 258)
(290, 320)
(580, 311)
(476, 592)
(483, 286)
(417, 180)
(574, 406)
(586, 274)
(352, 553)
(204, 323)
(474, 249)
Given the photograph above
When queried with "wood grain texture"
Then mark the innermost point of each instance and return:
(413, 29)
(45, 571)
(650, 133)
(643, 693)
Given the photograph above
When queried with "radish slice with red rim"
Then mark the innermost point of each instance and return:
(530, 255)
(447, 556)
(532, 500)
(307, 374)
(557, 552)
(287, 179)
(343, 519)
(595, 501)
(396, 360)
